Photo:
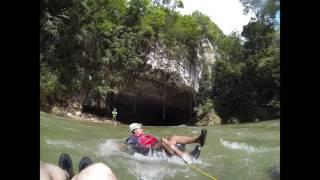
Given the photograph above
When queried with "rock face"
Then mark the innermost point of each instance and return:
(210, 119)
(164, 92)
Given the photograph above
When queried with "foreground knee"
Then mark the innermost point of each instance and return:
(101, 167)
(52, 172)
(97, 171)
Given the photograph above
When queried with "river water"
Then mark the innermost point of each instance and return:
(242, 151)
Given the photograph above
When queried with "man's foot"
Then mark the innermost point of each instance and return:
(84, 162)
(195, 153)
(65, 163)
(202, 138)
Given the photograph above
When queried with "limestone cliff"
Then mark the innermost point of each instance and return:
(164, 92)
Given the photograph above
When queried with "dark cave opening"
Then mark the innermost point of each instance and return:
(150, 111)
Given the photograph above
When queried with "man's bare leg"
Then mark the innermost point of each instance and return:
(165, 146)
(183, 140)
(172, 149)
(188, 140)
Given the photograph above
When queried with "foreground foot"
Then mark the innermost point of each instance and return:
(84, 162)
(65, 163)
(202, 138)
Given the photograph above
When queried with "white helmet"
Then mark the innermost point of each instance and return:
(134, 126)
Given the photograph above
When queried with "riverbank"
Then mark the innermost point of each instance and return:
(76, 114)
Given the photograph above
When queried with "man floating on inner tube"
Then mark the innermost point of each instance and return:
(175, 145)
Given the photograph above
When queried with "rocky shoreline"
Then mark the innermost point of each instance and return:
(76, 114)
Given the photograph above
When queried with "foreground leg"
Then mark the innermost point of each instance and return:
(52, 172)
(97, 171)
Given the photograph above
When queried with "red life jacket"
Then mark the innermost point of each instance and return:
(147, 140)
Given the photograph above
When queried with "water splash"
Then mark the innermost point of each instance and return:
(239, 134)
(245, 147)
(67, 144)
(194, 132)
(155, 166)
(110, 147)
(152, 170)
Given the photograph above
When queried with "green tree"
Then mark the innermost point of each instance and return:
(263, 7)
(208, 28)
(246, 76)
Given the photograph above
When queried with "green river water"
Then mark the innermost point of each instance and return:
(232, 152)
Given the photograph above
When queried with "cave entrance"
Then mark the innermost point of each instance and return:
(149, 110)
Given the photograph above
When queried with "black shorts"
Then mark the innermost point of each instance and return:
(157, 145)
